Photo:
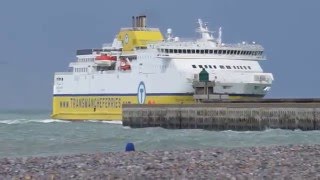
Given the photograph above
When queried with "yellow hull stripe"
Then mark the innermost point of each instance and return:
(109, 107)
(104, 107)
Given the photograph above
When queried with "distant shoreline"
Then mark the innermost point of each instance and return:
(290, 161)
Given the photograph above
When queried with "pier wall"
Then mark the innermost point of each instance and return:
(240, 117)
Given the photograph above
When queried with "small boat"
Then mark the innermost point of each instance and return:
(105, 59)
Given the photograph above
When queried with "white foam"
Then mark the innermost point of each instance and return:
(112, 122)
(24, 121)
(13, 121)
(108, 122)
(49, 121)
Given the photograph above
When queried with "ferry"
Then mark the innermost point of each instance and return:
(142, 66)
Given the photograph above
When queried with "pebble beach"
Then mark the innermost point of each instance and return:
(272, 162)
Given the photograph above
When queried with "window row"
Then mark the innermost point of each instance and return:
(221, 67)
(85, 59)
(211, 51)
(80, 69)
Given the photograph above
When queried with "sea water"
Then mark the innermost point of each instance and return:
(33, 133)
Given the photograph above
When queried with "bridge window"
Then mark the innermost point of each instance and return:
(228, 51)
(205, 66)
(171, 50)
(238, 52)
(189, 51)
(210, 51)
(184, 51)
(193, 51)
(206, 51)
(221, 67)
(175, 51)
(202, 51)
(244, 67)
(210, 66)
(166, 50)
(214, 66)
(197, 51)
(249, 67)
(224, 52)
(220, 52)
(228, 67)
(234, 67)
(180, 51)
(200, 66)
(194, 66)
(215, 51)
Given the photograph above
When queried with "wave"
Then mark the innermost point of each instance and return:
(13, 121)
(24, 121)
(49, 121)
(108, 122)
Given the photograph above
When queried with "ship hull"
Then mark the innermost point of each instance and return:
(107, 107)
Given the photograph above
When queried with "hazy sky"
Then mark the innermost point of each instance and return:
(39, 37)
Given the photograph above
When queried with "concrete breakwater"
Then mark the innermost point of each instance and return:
(225, 116)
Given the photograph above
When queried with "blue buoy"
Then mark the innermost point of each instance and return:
(129, 147)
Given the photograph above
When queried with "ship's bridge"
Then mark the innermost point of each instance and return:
(194, 47)
(208, 45)
(139, 35)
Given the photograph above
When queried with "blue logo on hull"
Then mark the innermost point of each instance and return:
(142, 93)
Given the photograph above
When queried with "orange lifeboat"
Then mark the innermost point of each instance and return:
(105, 59)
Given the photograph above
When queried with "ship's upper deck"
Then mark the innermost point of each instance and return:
(196, 44)
(139, 36)
(206, 41)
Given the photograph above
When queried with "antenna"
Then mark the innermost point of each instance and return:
(220, 36)
(204, 31)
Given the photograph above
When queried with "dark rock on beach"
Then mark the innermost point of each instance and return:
(276, 162)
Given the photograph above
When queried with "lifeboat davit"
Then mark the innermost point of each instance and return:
(105, 59)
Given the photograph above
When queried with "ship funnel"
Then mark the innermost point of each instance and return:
(133, 22)
(139, 21)
(143, 21)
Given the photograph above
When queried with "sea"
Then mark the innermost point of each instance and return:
(25, 133)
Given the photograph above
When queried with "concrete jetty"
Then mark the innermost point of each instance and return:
(301, 114)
